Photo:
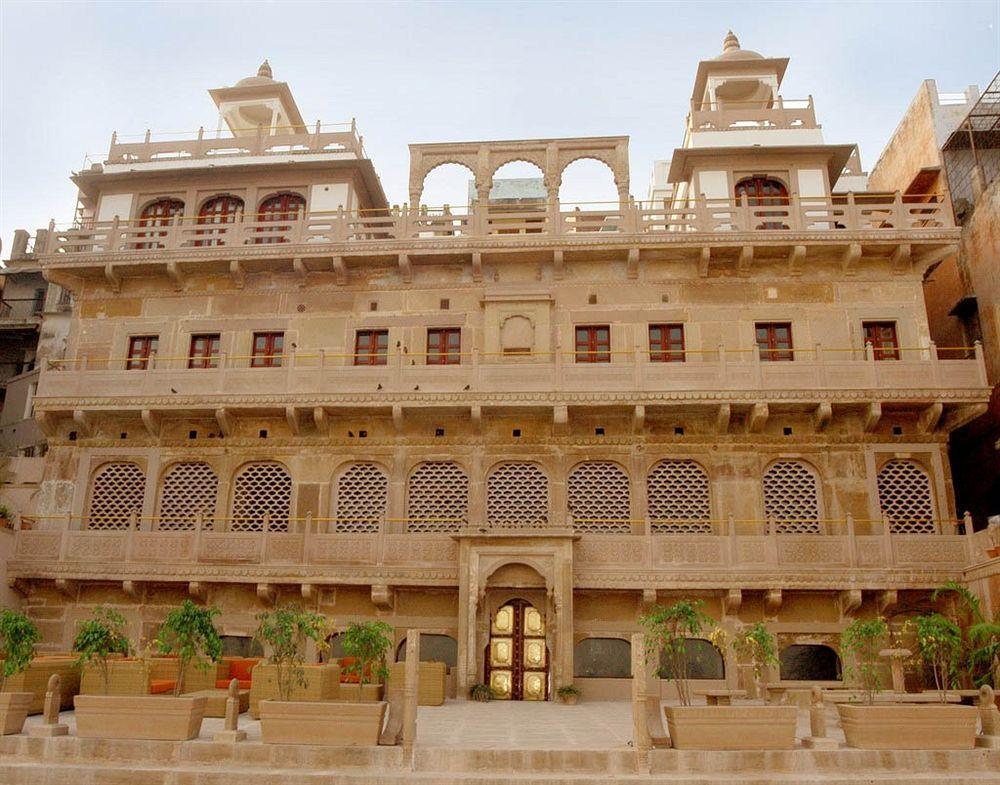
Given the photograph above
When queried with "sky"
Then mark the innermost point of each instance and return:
(71, 73)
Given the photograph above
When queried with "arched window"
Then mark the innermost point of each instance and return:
(767, 193)
(188, 489)
(904, 495)
(809, 662)
(517, 495)
(704, 661)
(677, 496)
(602, 658)
(791, 497)
(261, 489)
(158, 213)
(116, 491)
(598, 498)
(433, 648)
(437, 495)
(362, 499)
(217, 210)
(278, 210)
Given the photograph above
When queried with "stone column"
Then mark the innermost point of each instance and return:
(410, 694)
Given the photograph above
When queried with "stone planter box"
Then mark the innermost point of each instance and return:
(731, 727)
(903, 727)
(331, 723)
(139, 717)
(364, 693)
(14, 707)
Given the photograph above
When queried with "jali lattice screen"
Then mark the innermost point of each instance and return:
(904, 494)
(188, 489)
(598, 498)
(517, 495)
(259, 489)
(116, 491)
(362, 498)
(791, 497)
(437, 497)
(678, 499)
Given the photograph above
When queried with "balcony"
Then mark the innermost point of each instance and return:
(751, 116)
(840, 220)
(711, 377)
(335, 139)
(851, 554)
(21, 313)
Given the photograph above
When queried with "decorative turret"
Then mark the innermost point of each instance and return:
(258, 104)
(730, 43)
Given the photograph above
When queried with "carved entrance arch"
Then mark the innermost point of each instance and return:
(552, 156)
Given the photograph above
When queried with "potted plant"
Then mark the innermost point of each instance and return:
(569, 694)
(980, 658)
(481, 693)
(188, 632)
(5, 517)
(897, 726)
(18, 636)
(322, 719)
(708, 727)
(756, 644)
(367, 643)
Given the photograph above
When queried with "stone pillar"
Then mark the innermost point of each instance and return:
(410, 694)
(562, 600)
(468, 601)
(231, 732)
(641, 739)
(50, 724)
(817, 738)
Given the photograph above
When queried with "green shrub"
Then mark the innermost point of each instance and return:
(189, 632)
(98, 638)
(18, 636)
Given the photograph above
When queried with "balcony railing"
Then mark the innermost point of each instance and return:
(850, 213)
(752, 116)
(338, 138)
(847, 544)
(313, 372)
(21, 309)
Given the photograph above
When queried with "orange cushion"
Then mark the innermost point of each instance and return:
(240, 669)
(353, 676)
(160, 686)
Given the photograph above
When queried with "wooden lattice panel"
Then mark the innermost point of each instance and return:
(678, 499)
(791, 497)
(362, 499)
(904, 495)
(189, 489)
(517, 495)
(117, 490)
(259, 489)
(437, 497)
(598, 498)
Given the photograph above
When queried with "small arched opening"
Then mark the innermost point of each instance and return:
(588, 197)
(809, 662)
(602, 658)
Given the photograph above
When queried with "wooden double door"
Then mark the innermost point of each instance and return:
(517, 660)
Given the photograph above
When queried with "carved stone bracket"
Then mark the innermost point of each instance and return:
(850, 258)
(151, 420)
(633, 263)
(745, 261)
(176, 275)
(237, 273)
(722, 418)
(405, 268)
(198, 590)
(638, 418)
(732, 599)
(758, 417)
(113, 277)
(558, 265)
(20, 585)
(902, 258)
(340, 270)
(930, 417)
(560, 417)
(477, 266)
(648, 599)
(822, 416)
(398, 420)
(292, 418)
(704, 260)
(772, 602)
(872, 416)
(85, 422)
(796, 258)
(308, 591)
(299, 267)
(886, 601)
(383, 597)
(66, 587)
(132, 588)
(225, 421)
(850, 601)
(266, 593)
(321, 422)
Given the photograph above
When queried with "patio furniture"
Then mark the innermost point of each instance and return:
(322, 683)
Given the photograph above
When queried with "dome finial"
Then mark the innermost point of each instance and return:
(265, 70)
(730, 42)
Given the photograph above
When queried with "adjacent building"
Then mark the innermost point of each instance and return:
(515, 425)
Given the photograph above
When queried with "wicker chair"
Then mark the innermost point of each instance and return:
(322, 682)
(431, 681)
(35, 679)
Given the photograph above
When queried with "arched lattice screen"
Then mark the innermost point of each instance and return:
(116, 491)
(188, 489)
(362, 498)
(904, 494)
(791, 497)
(677, 497)
(261, 488)
(437, 497)
(517, 494)
(598, 498)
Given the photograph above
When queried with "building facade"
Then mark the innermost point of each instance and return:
(513, 426)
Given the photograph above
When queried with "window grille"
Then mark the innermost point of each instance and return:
(362, 498)
(517, 495)
(261, 488)
(437, 497)
(188, 489)
(677, 498)
(904, 495)
(598, 498)
(117, 490)
(791, 497)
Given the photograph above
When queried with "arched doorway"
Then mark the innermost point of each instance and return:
(765, 192)
(517, 659)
